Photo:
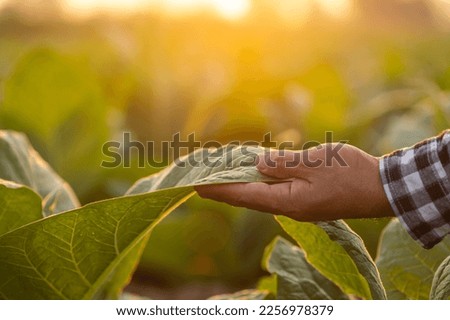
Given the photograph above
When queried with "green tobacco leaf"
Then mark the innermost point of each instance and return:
(296, 278)
(268, 283)
(205, 167)
(124, 271)
(20, 163)
(406, 268)
(342, 234)
(19, 205)
(89, 252)
(339, 254)
(78, 253)
(250, 294)
(440, 288)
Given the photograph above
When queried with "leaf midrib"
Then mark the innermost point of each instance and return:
(110, 269)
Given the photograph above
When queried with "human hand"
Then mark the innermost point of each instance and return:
(329, 182)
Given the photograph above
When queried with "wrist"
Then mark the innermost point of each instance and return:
(381, 205)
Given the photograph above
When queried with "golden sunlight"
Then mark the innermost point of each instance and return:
(291, 10)
(337, 8)
(230, 9)
(87, 7)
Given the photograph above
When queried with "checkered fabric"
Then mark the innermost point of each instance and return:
(416, 181)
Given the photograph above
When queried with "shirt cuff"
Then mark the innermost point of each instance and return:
(417, 185)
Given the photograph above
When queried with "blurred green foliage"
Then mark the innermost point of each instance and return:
(59, 104)
(72, 85)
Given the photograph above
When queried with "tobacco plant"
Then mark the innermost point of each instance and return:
(52, 248)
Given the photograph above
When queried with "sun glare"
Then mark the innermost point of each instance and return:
(230, 9)
(337, 8)
(291, 10)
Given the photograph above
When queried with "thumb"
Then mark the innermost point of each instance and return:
(281, 164)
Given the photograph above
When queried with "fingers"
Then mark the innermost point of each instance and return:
(256, 195)
(273, 198)
(283, 164)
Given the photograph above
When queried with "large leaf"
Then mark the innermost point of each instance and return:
(440, 289)
(89, 252)
(20, 163)
(406, 268)
(339, 254)
(19, 205)
(206, 166)
(296, 278)
(78, 253)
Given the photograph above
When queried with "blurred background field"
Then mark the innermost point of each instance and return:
(75, 74)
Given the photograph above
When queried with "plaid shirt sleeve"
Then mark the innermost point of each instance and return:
(416, 181)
